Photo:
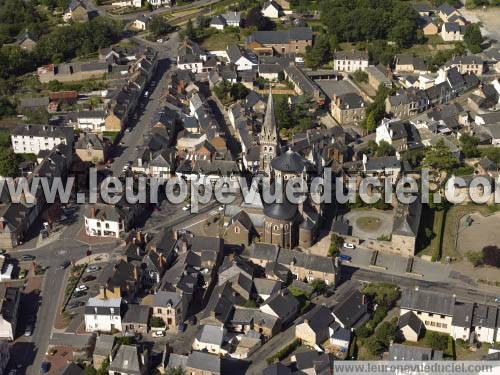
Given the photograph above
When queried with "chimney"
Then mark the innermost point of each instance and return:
(306, 321)
(363, 299)
(93, 211)
(102, 292)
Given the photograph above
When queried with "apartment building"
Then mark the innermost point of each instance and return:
(350, 61)
(31, 139)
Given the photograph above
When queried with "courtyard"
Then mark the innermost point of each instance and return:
(370, 224)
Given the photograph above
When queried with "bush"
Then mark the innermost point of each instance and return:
(475, 257)
(286, 351)
(157, 322)
(336, 243)
(436, 341)
(360, 76)
(383, 294)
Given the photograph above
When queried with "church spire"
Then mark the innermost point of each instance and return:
(268, 138)
(269, 131)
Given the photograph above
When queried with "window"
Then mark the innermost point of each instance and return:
(236, 229)
(444, 325)
(431, 314)
(442, 316)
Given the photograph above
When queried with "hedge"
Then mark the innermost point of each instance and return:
(283, 353)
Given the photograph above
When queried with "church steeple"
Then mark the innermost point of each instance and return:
(268, 138)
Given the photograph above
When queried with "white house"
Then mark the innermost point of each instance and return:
(160, 3)
(140, 23)
(272, 10)
(94, 121)
(345, 61)
(191, 57)
(474, 321)
(104, 221)
(103, 314)
(452, 32)
(233, 19)
(31, 139)
(242, 58)
(210, 339)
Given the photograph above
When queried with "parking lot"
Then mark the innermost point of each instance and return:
(86, 287)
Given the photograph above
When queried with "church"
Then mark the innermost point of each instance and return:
(285, 224)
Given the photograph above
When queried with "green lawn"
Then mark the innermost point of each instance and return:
(220, 40)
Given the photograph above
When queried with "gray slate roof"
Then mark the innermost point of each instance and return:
(204, 361)
(420, 300)
(399, 352)
(281, 36)
(127, 360)
(411, 320)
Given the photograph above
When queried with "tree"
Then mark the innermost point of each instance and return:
(38, 116)
(469, 145)
(336, 243)
(439, 157)
(175, 371)
(319, 53)
(475, 257)
(89, 370)
(157, 322)
(436, 341)
(491, 256)
(369, 124)
(385, 149)
(255, 19)
(189, 32)
(473, 37)
(319, 286)
(360, 76)
(6, 107)
(9, 163)
(159, 26)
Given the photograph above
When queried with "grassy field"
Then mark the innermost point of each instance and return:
(453, 217)
(431, 221)
(368, 223)
(219, 41)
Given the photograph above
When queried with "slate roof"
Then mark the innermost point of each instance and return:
(281, 211)
(350, 55)
(210, 334)
(204, 361)
(420, 300)
(281, 36)
(319, 318)
(283, 303)
(277, 369)
(101, 306)
(89, 141)
(462, 314)
(307, 261)
(104, 344)
(411, 320)
(383, 162)
(289, 162)
(446, 8)
(407, 218)
(165, 298)
(136, 314)
(485, 316)
(263, 251)
(127, 360)
(320, 363)
(351, 309)
(266, 286)
(400, 352)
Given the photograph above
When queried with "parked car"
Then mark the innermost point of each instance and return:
(497, 299)
(45, 367)
(92, 268)
(28, 331)
(181, 327)
(192, 320)
(146, 94)
(80, 288)
(64, 265)
(75, 304)
(348, 245)
(88, 278)
(186, 207)
(344, 258)
(28, 257)
(158, 333)
(80, 294)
